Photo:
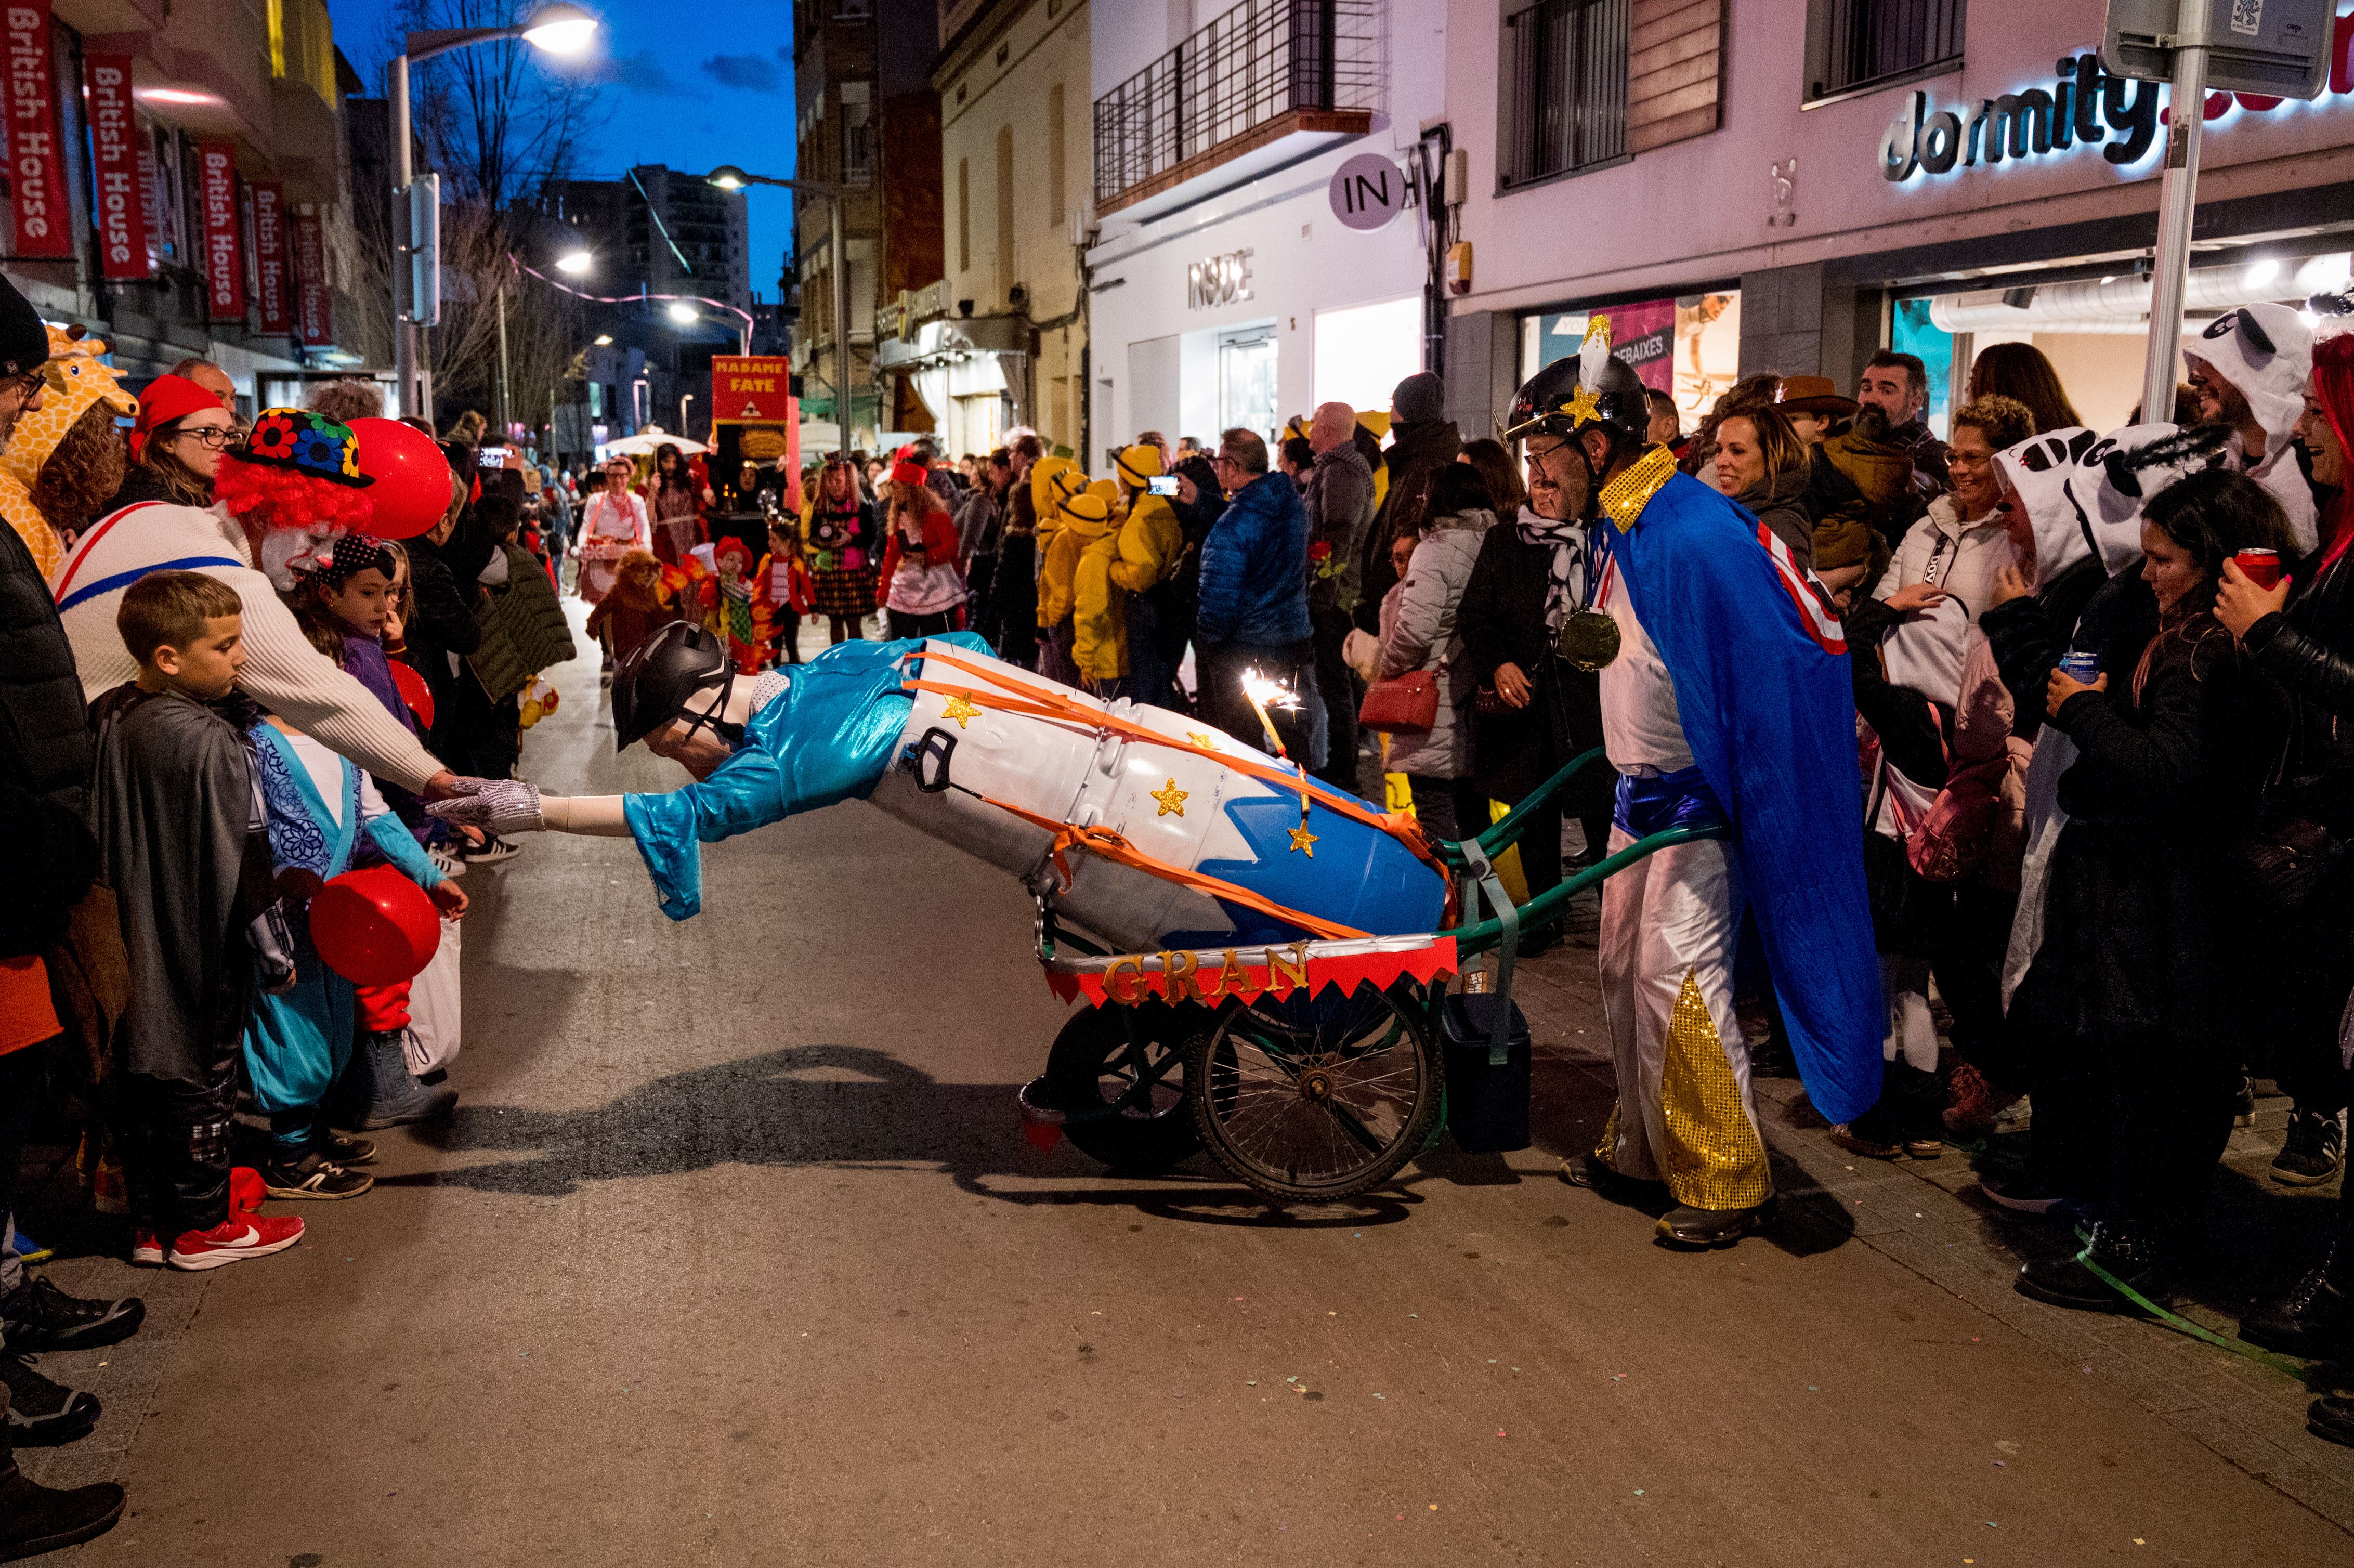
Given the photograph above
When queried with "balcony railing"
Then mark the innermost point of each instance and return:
(1858, 43)
(1260, 69)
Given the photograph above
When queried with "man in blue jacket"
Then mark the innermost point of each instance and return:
(1253, 610)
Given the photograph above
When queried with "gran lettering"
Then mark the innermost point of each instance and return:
(1185, 976)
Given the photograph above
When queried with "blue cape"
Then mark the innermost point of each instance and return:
(1770, 715)
(826, 739)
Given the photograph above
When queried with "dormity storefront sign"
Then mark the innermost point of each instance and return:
(2086, 106)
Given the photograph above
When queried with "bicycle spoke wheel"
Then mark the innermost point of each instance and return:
(1315, 1098)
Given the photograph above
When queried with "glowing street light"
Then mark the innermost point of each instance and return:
(573, 263)
(683, 314)
(604, 340)
(559, 30)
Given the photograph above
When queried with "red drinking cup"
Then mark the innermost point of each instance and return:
(2261, 568)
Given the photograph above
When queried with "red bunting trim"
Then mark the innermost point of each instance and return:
(1210, 974)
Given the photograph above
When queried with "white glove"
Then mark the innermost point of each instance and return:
(502, 806)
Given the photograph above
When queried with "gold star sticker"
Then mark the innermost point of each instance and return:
(1171, 799)
(1205, 742)
(959, 709)
(1583, 406)
(1304, 842)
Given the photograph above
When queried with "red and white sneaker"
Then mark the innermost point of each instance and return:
(235, 1239)
(146, 1250)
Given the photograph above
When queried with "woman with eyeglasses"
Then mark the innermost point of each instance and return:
(1955, 551)
(177, 446)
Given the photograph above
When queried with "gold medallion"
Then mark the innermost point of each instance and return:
(1588, 641)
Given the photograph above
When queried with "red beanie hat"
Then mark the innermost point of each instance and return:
(168, 397)
(905, 470)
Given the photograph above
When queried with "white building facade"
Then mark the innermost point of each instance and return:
(1933, 175)
(1222, 289)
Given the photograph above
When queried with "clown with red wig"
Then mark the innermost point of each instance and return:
(295, 483)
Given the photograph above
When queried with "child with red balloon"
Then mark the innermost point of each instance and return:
(323, 812)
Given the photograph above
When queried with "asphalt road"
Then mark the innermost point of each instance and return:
(736, 1255)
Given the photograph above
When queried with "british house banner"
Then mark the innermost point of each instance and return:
(224, 245)
(114, 158)
(271, 280)
(314, 311)
(35, 163)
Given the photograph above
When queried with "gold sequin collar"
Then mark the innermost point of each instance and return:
(1624, 497)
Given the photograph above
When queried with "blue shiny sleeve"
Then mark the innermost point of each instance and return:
(826, 739)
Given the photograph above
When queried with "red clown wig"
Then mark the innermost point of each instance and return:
(266, 498)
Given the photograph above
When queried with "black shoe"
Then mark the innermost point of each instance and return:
(2021, 1193)
(2243, 1104)
(312, 1176)
(34, 1519)
(41, 1414)
(2314, 1150)
(1594, 1174)
(2065, 1281)
(2331, 1419)
(2314, 1318)
(343, 1150)
(1711, 1227)
(37, 1316)
(384, 1093)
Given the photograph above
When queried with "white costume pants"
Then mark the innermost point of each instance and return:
(1670, 925)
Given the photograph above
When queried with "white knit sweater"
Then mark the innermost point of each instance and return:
(282, 670)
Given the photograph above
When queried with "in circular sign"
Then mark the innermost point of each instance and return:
(1368, 191)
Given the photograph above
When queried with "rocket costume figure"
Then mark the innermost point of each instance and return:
(1147, 830)
(1725, 704)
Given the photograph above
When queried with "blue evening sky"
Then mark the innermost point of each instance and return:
(690, 83)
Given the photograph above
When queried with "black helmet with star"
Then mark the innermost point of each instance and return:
(1580, 391)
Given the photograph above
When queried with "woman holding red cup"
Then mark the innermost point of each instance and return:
(2300, 632)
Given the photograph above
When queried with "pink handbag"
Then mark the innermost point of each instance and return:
(1402, 703)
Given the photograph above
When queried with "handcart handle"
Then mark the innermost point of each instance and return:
(1504, 834)
(1549, 904)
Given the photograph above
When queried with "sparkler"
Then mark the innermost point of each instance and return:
(1263, 693)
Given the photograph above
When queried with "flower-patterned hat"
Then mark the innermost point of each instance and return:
(310, 444)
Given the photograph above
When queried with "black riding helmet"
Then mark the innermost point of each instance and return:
(1555, 401)
(663, 675)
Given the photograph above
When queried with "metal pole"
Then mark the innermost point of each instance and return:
(2177, 201)
(506, 418)
(404, 331)
(841, 325)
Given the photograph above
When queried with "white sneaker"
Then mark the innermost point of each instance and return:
(491, 850)
(445, 862)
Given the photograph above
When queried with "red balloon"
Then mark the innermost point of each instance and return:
(416, 692)
(411, 491)
(375, 927)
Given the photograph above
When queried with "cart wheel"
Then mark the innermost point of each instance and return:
(1316, 1097)
(1092, 1076)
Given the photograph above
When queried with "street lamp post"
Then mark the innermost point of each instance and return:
(684, 399)
(728, 177)
(557, 29)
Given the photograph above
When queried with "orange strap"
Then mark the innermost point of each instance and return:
(1113, 847)
(1036, 702)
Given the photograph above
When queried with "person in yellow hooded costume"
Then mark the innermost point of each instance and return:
(1085, 524)
(46, 502)
(1150, 544)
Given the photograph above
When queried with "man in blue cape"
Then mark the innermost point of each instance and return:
(1726, 704)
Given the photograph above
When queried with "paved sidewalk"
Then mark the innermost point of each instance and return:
(1930, 1217)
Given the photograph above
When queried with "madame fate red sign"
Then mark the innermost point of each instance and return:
(313, 306)
(272, 282)
(753, 388)
(121, 190)
(224, 245)
(35, 163)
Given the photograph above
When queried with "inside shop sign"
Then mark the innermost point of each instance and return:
(1218, 281)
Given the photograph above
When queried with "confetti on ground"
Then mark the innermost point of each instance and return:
(1500, 1432)
(1812, 1388)
(1434, 1508)
(1639, 1492)
(1991, 1525)
(2140, 1542)
(1385, 1397)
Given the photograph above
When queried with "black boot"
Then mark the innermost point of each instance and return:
(1697, 1228)
(2131, 1256)
(2317, 1317)
(41, 1414)
(36, 1518)
(2331, 1419)
(384, 1093)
